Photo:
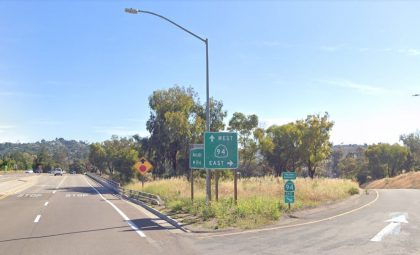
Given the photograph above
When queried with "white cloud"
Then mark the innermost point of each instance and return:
(267, 122)
(362, 88)
(48, 122)
(4, 128)
(413, 52)
(120, 131)
(333, 48)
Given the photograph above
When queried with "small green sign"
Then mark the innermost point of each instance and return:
(221, 150)
(289, 193)
(197, 158)
(289, 175)
(289, 186)
(289, 199)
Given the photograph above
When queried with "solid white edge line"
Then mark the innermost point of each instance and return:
(37, 218)
(46, 203)
(129, 222)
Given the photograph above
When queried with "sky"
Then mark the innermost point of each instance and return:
(84, 70)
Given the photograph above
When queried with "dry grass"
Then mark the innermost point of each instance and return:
(409, 180)
(260, 200)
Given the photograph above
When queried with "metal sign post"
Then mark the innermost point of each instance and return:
(289, 187)
(196, 161)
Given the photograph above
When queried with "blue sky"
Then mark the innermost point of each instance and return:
(84, 69)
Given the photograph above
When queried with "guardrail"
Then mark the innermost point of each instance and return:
(133, 194)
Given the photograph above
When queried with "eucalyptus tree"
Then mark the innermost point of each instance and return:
(315, 145)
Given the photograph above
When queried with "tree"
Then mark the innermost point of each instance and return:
(412, 141)
(117, 156)
(177, 119)
(283, 148)
(386, 160)
(97, 156)
(174, 122)
(43, 160)
(77, 166)
(217, 115)
(315, 145)
(335, 158)
(245, 126)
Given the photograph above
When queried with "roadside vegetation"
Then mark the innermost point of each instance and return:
(260, 199)
(409, 180)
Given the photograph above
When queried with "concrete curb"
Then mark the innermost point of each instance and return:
(157, 213)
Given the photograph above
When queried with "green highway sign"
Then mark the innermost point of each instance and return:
(289, 193)
(289, 199)
(221, 150)
(289, 186)
(289, 175)
(197, 156)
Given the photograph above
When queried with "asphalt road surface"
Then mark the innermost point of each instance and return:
(72, 214)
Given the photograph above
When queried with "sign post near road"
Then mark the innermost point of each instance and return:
(196, 162)
(196, 156)
(289, 187)
(143, 166)
(221, 152)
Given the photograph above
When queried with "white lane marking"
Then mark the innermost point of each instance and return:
(46, 203)
(37, 218)
(58, 186)
(393, 228)
(54, 191)
(129, 222)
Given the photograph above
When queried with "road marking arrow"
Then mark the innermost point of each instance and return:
(393, 228)
(212, 138)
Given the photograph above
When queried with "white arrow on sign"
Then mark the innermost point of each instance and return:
(393, 228)
(230, 163)
(212, 138)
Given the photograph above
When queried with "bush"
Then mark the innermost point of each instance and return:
(353, 191)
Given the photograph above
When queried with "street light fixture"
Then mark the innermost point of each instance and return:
(206, 42)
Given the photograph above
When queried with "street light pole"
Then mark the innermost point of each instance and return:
(206, 42)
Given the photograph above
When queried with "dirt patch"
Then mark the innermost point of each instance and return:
(409, 180)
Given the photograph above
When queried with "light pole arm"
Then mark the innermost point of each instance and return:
(134, 11)
(206, 42)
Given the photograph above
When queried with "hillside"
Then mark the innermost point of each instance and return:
(74, 149)
(409, 180)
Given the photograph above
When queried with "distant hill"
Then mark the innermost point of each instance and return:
(72, 150)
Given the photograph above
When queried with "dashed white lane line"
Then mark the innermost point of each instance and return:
(58, 186)
(37, 218)
(129, 222)
(46, 203)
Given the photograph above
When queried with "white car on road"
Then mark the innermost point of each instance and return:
(58, 171)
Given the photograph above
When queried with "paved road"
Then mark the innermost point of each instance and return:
(67, 215)
(348, 234)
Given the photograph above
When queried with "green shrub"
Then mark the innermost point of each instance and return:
(353, 191)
